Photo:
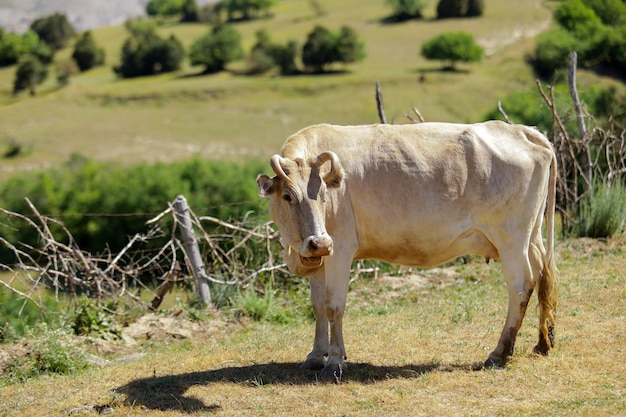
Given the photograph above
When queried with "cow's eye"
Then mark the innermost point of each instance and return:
(287, 197)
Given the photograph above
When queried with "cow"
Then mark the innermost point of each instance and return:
(417, 195)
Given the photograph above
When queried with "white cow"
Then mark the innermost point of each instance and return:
(417, 195)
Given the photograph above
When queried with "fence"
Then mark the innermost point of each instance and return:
(236, 254)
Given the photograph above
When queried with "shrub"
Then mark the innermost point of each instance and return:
(189, 11)
(86, 53)
(323, 48)
(224, 190)
(452, 47)
(603, 211)
(29, 74)
(407, 9)
(55, 30)
(146, 53)
(216, 49)
(459, 8)
(50, 352)
(93, 319)
(164, 7)
(552, 49)
(13, 46)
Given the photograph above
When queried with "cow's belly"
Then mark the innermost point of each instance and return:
(427, 252)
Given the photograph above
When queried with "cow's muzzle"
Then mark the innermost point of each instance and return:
(314, 248)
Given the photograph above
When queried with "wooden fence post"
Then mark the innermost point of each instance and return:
(181, 209)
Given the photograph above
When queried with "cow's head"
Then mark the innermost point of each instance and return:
(297, 197)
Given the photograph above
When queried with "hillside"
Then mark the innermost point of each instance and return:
(227, 115)
(16, 15)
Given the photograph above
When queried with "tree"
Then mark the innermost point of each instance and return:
(146, 53)
(611, 12)
(552, 49)
(55, 30)
(459, 8)
(266, 55)
(407, 9)
(261, 59)
(190, 11)
(86, 53)
(323, 47)
(452, 47)
(30, 72)
(475, 8)
(13, 46)
(216, 49)
(348, 48)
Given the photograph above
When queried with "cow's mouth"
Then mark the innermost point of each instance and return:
(311, 261)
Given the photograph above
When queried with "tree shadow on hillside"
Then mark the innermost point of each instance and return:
(168, 392)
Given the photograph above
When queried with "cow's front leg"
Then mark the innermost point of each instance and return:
(315, 359)
(337, 280)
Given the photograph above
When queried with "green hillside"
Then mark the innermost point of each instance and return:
(227, 115)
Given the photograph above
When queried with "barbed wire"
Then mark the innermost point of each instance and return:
(207, 209)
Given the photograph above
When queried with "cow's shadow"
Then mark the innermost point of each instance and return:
(168, 392)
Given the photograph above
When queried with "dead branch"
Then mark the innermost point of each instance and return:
(379, 104)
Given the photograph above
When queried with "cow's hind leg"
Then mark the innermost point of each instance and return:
(520, 284)
(544, 269)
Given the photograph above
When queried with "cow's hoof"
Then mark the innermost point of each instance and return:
(312, 365)
(333, 372)
(541, 349)
(494, 363)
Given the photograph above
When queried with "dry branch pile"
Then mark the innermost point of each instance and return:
(236, 254)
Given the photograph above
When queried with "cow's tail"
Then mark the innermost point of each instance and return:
(547, 287)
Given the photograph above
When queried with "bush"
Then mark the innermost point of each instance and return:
(13, 46)
(164, 7)
(189, 11)
(459, 8)
(407, 9)
(50, 352)
(55, 30)
(86, 53)
(452, 47)
(611, 12)
(29, 74)
(92, 319)
(552, 49)
(216, 49)
(603, 211)
(225, 190)
(146, 53)
(323, 48)
(592, 28)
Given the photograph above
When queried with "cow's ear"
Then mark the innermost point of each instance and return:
(266, 185)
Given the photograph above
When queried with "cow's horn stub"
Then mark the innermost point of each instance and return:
(334, 177)
(276, 162)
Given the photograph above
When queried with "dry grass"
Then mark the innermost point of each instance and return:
(411, 352)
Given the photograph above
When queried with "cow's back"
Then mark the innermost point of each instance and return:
(414, 189)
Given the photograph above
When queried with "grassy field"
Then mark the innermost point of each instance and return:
(412, 342)
(226, 115)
